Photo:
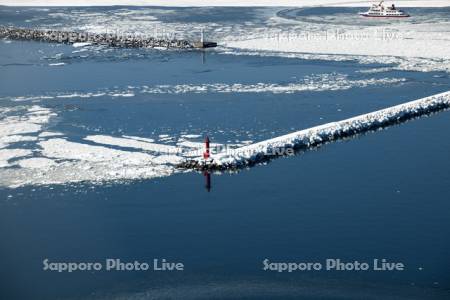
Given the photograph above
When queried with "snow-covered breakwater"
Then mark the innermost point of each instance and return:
(316, 136)
(108, 39)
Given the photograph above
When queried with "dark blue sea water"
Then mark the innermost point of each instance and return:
(381, 195)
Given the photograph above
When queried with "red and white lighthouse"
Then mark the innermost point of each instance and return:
(206, 154)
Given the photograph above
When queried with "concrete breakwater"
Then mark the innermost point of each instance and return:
(108, 39)
(316, 136)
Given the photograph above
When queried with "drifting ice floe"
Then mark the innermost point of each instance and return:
(319, 135)
(60, 161)
(77, 45)
(7, 154)
(132, 143)
(420, 44)
(201, 3)
(56, 64)
(311, 83)
(102, 158)
(15, 128)
(41, 163)
(50, 158)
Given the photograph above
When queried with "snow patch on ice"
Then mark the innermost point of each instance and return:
(17, 128)
(137, 138)
(132, 143)
(44, 134)
(41, 163)
(375, 70)
(77, 95)
(190, 136)
(8, 154)
(57, 64)
(77, 45)
(123, 95)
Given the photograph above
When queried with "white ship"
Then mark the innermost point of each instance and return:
(379, 10)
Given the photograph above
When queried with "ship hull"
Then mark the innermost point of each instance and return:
(389, 17)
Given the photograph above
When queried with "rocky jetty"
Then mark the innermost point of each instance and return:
(108, 39)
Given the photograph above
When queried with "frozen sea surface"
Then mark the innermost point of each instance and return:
(89, 137)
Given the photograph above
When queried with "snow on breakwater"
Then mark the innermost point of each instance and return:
(316, 136)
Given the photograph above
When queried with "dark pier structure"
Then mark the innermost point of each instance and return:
(108, 39)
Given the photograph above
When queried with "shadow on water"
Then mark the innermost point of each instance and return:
(207, 176)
